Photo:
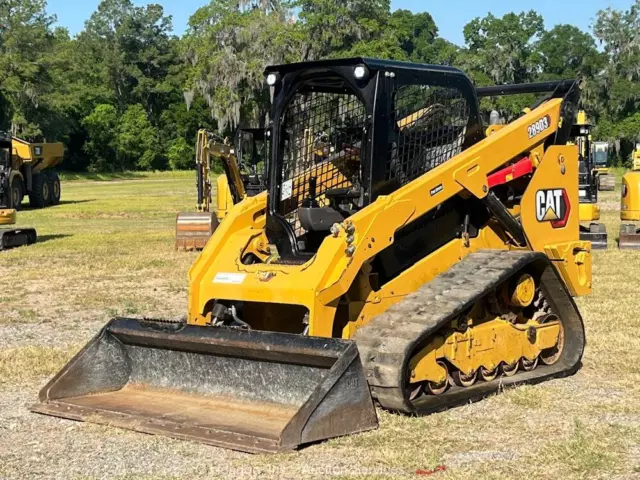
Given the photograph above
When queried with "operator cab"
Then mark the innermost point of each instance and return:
(600, 154)
(252, 150)
(325, 161)
(588, 188)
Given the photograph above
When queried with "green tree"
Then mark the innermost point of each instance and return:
(101, 127)
(181, 154)
(137, 142)
(228, 45)
(26, 41)
(566, 51)
(415, 33)
(130, 50)
(502, 50)
(618, 95)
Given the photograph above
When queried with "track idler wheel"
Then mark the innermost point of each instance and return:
(552, 355)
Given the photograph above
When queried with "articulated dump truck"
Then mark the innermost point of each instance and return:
(401, 256)
(33, 173)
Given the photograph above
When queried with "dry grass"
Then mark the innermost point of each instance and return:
(19, 365)
(108, 250)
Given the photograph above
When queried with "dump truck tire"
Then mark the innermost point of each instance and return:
(40, 195)
(54, 186)
(17, 192)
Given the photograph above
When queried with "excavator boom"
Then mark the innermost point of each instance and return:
(193, 229)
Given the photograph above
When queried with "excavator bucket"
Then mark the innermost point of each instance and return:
(596, 233)
(629, 237)
(246, 390)
(193, 229)
(607, 183)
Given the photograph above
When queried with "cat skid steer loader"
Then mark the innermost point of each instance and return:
(414, 262)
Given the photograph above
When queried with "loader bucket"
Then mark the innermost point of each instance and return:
(193, 229)
(244, 390)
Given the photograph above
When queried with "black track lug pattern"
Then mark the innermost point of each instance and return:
(387, 343)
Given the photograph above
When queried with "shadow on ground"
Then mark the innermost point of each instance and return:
(27, 208)
(46, 238)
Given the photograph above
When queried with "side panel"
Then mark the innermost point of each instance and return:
(421, 273)
(630, 197)
(550, 207)
(42, 155)
(550, 216)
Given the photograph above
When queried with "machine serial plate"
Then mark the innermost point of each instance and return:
(232, 278)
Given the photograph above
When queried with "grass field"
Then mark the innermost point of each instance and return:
(108, 250)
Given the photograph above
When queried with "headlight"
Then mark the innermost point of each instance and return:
(360, 72)
(272, 78)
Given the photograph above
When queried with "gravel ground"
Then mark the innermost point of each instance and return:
(37, 446)
(106, 264)
(48, 334)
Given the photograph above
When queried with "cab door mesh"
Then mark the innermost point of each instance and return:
(427, 128)
(323, 144)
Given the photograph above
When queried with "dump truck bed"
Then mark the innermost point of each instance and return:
(40, 155)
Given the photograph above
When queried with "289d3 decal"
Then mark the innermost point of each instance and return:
(539, 127)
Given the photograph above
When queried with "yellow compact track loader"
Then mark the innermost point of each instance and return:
(10, 237)
(630, 204)
(400, 256)
(589, 210)
(243, 165)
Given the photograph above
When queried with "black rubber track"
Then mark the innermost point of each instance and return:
(17, 237)
(387, 343)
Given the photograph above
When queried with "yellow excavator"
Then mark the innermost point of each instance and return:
(630, 204)
(605, 179)
(418, 261)
(243, 165)
(10, 237)
(589, 210)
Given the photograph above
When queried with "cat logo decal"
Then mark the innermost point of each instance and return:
(553, 206)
